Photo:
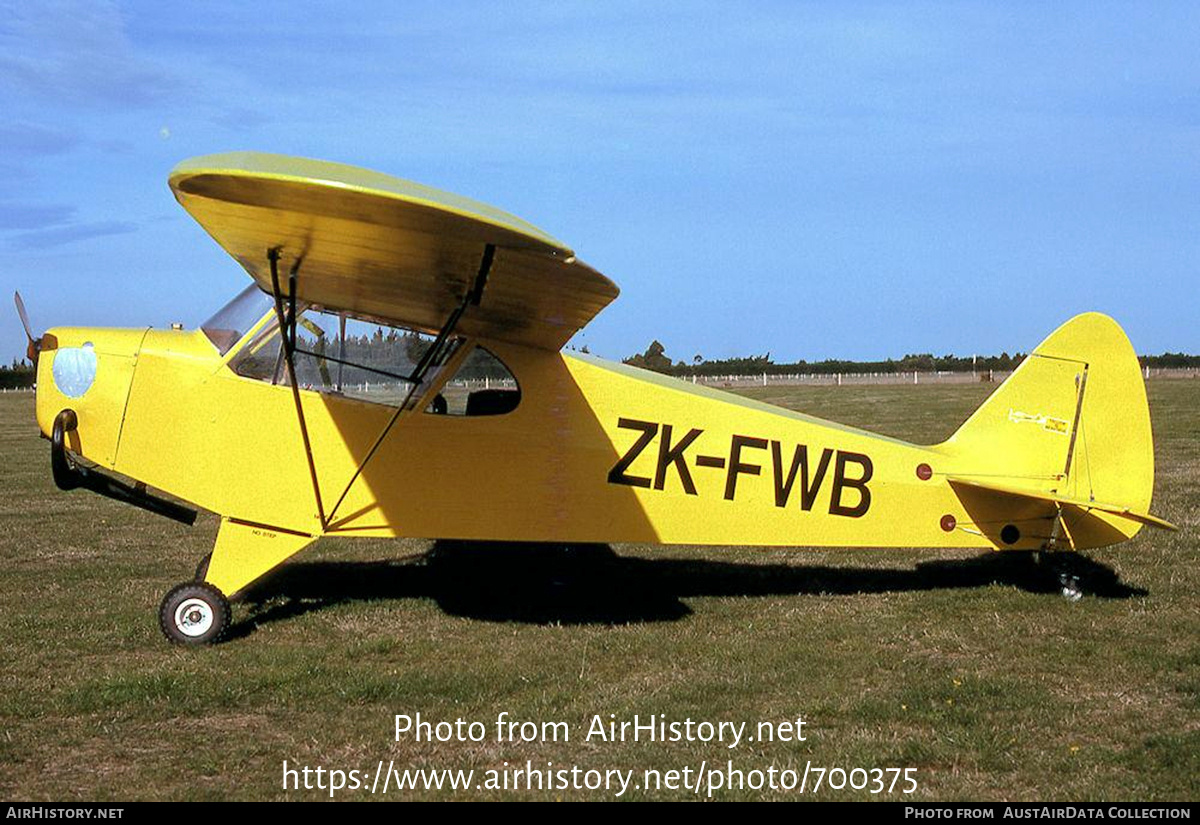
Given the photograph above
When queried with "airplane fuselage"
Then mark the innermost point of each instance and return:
(594, 452)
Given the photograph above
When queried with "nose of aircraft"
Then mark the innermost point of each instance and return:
(89, 371)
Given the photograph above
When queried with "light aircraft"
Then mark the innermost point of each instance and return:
(396, 368)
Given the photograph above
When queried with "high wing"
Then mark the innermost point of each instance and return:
(381, 247)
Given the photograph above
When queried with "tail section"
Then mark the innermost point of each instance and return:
(1064, 445)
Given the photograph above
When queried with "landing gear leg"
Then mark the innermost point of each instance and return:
(202, 567)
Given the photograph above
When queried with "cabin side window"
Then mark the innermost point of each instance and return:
(481, 386)
(349, 357)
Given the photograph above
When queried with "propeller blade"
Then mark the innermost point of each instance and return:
(35, 344)
(23, 314)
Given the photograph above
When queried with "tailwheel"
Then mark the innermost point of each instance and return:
(1063, 568)
(1070, 586)
(194, 613)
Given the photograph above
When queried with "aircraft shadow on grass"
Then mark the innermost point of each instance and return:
(591, 584)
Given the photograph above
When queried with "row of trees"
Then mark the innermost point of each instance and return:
(20, 374)
(655, 358)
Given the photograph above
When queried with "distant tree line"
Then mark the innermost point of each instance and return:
(655, 358)
(1170, 360)
(20, 374)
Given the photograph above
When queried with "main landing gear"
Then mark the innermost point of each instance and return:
(194, 613)
(197, 612)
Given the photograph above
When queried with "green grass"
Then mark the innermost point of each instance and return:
(967, 668)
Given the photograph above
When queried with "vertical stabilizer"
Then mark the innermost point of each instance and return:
(1072, 421)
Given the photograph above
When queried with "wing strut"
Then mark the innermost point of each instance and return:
(287, 328)
(434, 356)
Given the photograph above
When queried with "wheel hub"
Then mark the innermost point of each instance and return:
(193, 617)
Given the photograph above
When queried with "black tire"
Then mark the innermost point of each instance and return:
(194, 613)
(202, 567)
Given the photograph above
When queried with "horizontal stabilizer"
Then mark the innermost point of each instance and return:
(1058, 498)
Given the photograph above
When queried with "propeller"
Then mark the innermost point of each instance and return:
(35, 344)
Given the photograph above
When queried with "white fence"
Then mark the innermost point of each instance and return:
(847, 379)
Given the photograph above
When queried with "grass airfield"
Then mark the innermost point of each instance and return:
(969, 668)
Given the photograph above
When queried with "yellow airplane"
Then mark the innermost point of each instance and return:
(395, 369)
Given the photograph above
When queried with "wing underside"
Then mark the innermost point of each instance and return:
(380, 247)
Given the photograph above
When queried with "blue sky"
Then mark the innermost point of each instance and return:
(817, 180)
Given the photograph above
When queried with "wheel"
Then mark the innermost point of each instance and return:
(202, 567)
(1063, 567)
(1070, 587)
(194, 613)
